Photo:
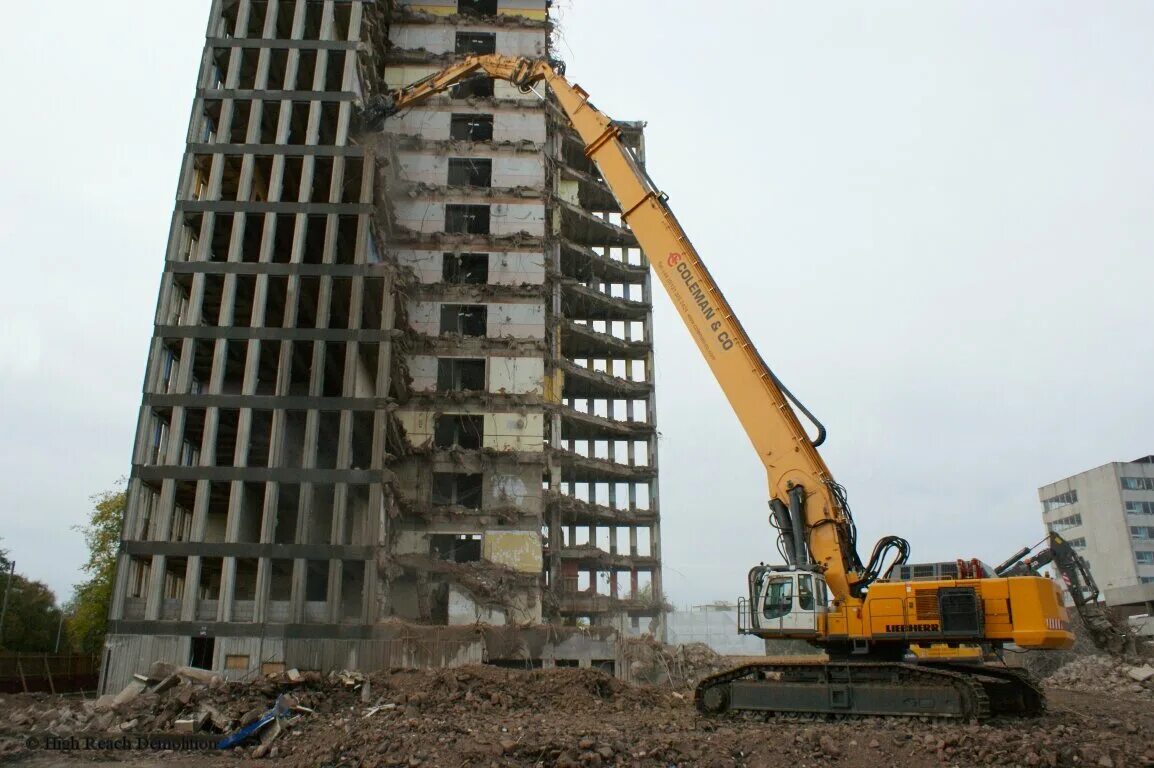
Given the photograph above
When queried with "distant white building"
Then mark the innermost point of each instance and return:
(716, 626)
(1107, 515)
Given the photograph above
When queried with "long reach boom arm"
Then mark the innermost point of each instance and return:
(808, 506)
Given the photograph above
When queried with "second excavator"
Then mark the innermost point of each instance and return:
(823, 592)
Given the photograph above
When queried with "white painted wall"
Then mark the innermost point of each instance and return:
(517, 375)
(442, 38)
(523, 321)
(508, 375)
(464, 611)
(503, 431)
(512, 268)
(433, 123)
(508, 170)
(427, 216)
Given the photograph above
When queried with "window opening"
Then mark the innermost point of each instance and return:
(454, 489)
(457, 374)
(477, 42)
(465, 268)
(201, 652)
(471, 127)
(470, 172)
(477, 7)
(476, 87)
(456, 547)
(467, 219)
(464, 319)
(459, 431)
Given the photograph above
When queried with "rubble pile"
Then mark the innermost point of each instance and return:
(484, 715)
(1104, 674)
(676, 666)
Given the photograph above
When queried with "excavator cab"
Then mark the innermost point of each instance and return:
(784, 603)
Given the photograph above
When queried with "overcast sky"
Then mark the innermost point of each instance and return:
(935, 220)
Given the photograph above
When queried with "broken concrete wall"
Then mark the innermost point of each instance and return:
(502, 319)
(512, 268)
(503, 374)
(505, 218)
(442, 39)
(508, 125)
(508, 170)
(501, 431)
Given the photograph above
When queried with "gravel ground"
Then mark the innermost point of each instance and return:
(482, 716)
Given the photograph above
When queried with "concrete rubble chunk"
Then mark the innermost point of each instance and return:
(1141, 674)
(130, 692)
(219, 721)
(200, 676)
(159, 670)
(191, 724)
(104, 703)
(169, 682)
(294, 675)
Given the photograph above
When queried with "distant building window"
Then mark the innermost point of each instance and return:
(476, 42)
(1078, 543)
(477, 7)
(1059, 501)
(465, 268)
(1148, 579)
(464, 319)
(1140, 507)
(455, 374)
(456, 547)
(454, 489)
(1145, 558)
(1061, 524)
(459, 431)
(467, 219)
(476, 87)
(1138, 483)
(1141, 532)
(470, 172)
(471, 127)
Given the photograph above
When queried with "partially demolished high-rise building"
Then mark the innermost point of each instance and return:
(399, 406)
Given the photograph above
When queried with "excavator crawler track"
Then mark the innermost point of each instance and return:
(859, 688)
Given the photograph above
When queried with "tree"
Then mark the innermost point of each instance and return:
(32, 618)
(89, 606)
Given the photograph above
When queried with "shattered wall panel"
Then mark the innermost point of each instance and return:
(520, 550)
(442, 40)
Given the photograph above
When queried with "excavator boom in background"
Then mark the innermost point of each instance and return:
(1107, 632)
(823, 593)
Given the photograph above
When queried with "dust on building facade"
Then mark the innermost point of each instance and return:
(401, 383)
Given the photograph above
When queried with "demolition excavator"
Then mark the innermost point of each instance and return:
(823, 592)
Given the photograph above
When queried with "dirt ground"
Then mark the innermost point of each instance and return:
(483, 716)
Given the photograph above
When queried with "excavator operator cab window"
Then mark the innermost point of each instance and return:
(822, 594)
(805, 592)
(778, 597)
(791, 602)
